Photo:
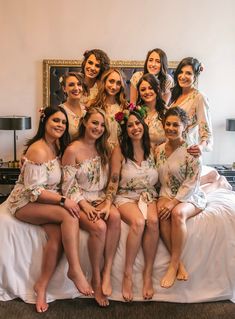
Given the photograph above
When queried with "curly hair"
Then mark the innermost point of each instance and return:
(102, 145)
(101, 56)
(64, 140)
(126, 142)
(100, 99)
(155, 84)
(176, 111)
(197, 68)
(162, 75)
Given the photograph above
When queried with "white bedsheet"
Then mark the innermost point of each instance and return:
(209, 256)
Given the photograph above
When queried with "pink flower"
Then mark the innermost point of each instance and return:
(132, 106)
(119, 116)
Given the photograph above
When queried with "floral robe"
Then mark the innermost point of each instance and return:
(179, 175)
(33, 179)
(85, 181)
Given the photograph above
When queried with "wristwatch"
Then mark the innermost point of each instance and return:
(62, 201)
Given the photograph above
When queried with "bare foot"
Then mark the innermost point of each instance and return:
(41, 304)
(106, 284)
(81, 283)
(100, 298)
(182, 274)
(169, 278)
(148, 290)
(127, 288)
(223, 183)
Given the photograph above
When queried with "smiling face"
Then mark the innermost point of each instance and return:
(154, 63)
(135, 128)
(186, 77)
(73, 88)
(95, 126)
(113, 84)
(147, 93)
(55, 125)
(92, 67)
(174, 127)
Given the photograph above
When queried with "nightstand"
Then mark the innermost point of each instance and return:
(8, 178)
(226, 171)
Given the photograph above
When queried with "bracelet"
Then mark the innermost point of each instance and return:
(62, 201)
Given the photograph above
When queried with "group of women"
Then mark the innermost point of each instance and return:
(109, 172)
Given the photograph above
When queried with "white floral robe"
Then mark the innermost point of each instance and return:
(179, 175)
(114, 127)
(137, 183)
(85, 181)
(156, 131)
(200, 128)
(86, 100)
(33, 179)
(74, 120)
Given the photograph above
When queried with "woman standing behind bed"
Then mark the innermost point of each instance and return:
(36, 200)
(112, 99)
(94, 64)
(73, 87)
(85, 175)
(156, 64)
(149, 93)
(180, 196)
(133, 163)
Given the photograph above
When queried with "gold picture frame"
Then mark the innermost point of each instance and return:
(54, 65)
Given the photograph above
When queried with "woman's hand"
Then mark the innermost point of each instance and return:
(104, 209)
(164, 211)
(91, 211)
(72, 207)
(195, 150)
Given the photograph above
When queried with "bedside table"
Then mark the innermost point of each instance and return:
(226, 171)
(8, 178)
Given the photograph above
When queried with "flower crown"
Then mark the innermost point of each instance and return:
(121, 117)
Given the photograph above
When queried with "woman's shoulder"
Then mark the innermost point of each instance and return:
(37, 153)
(136, 76)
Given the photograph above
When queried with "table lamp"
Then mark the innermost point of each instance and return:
(15, 123)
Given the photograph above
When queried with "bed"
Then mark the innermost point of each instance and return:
(209, 256)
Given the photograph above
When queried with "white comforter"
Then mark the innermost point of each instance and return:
(209, 256)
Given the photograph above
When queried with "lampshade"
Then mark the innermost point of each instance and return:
(230, 125)
(14, 123)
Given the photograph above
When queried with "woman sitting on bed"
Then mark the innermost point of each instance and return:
(180, 195)
(85, 176)
(36, 200)
(133, 176)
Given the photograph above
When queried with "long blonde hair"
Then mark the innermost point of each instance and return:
(100, 99)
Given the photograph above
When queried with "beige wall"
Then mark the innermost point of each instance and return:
(33, 30)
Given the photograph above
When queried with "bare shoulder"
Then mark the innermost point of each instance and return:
(117, 154)
(37, 153)
(71, 151)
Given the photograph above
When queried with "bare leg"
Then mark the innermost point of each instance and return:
(210, 177)
(52, 253)
(44, 214)
(179, 216)
(131, 215)
(96, 243)
(112, 239)
(150, 242)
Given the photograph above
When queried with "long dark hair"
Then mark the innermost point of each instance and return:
(101, 144)
(101, 56)
(160, 103)
(162, 75)
(46, 113)
(126, 142)
(197, 68)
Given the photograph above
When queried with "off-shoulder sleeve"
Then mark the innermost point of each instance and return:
(35, 179)
(192, 180)
(135, 78)
(70, 187)
(204, 122)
